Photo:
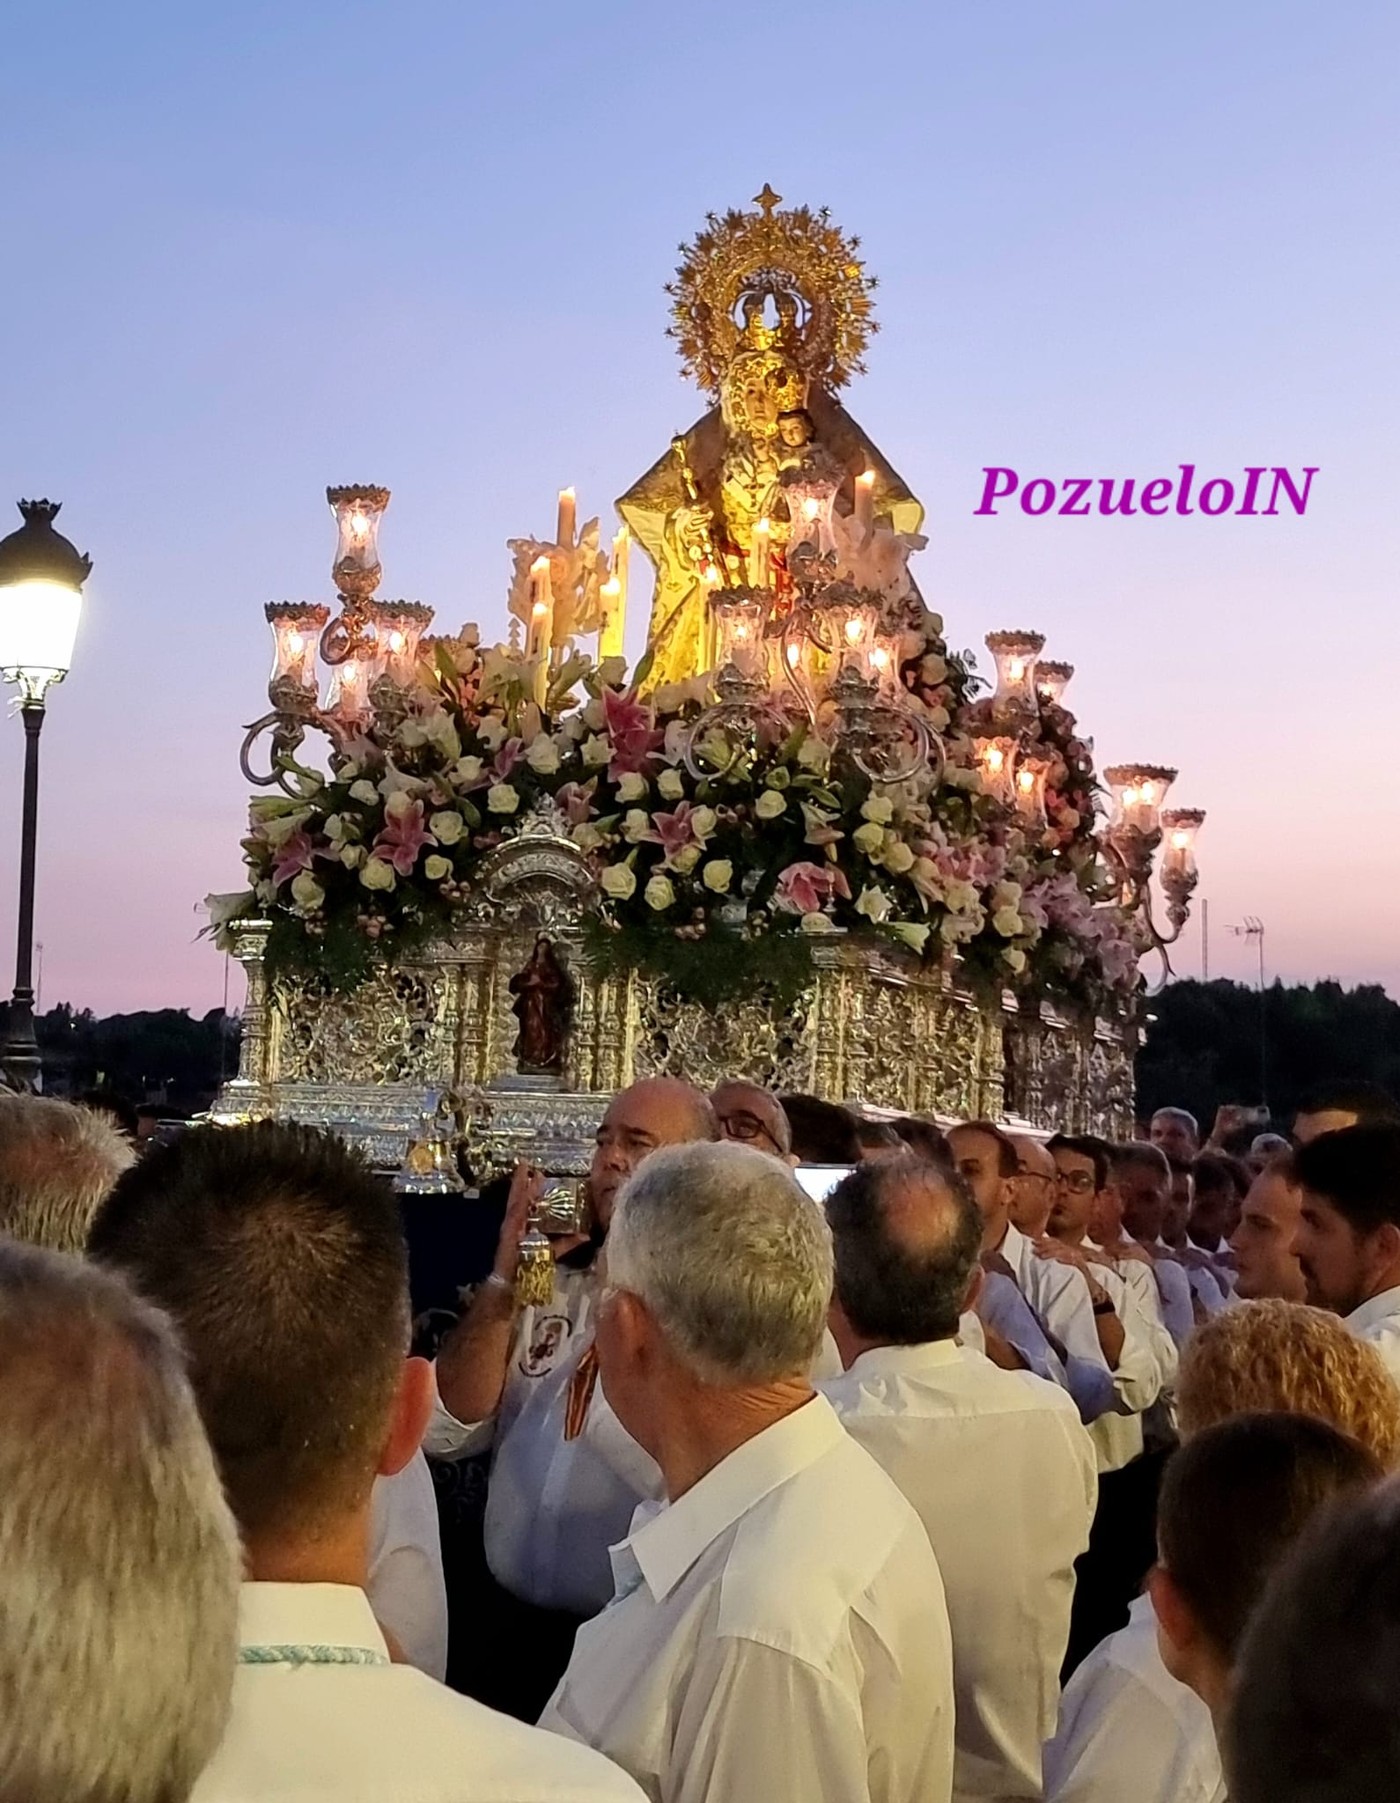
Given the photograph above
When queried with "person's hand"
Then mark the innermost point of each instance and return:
(1057, 1252)
(1129, 1249)
(526, 1187)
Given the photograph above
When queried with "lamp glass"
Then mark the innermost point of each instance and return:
(38, 625)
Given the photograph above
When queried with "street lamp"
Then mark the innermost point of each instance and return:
(41, 597)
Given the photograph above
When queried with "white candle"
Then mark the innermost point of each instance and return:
(541, 629)
(568, 518)
(759, 567)
(613, 619)
(865, 500)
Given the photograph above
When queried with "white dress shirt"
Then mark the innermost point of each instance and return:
(1129, 1733)
(554, 1505)
(1003, 1476)
(406, 1588)
(779, 1635)
(1137, 1377)
(1174, 1289)
(1378, 1323)
(1060, 1298)
(346, 1726)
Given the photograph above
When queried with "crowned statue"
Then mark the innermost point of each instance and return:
(771, 310)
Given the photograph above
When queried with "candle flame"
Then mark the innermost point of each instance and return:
(762, 528)
(811, 507)
(1027, 780)
(794, 652)
(359, 524)
(295, 641)
(867, 477)
(540, 563)
(995, 757)
(611, 588)
(1016, 670)
(540, 609)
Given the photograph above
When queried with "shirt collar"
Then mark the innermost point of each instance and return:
(1014, 1249)
(664, 1547)
(307, 1614)
(1380, 1308)
(907, 1361)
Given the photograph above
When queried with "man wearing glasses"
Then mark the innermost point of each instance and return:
(752, 1116)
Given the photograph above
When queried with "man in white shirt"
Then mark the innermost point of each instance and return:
(1209, 1290)
(1140, 1180)
(1263, 1243)
(779, 1631)
(997, 1463)
(1348, 1237)
(565, 1474)
(281, 1259)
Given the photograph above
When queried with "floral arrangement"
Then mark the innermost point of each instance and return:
(716, 882)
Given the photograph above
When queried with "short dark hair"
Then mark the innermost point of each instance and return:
(1234, 1499)
(1356, 1170)
(822, 1132)
(1218, 1171)
(876, 1136)
(1086, 1145)
(281, 1259)
(1008, 1158)
(1369, 1102)
(924, 1138)
(1312, 1716)
(1129, 1153)
(888, 1290)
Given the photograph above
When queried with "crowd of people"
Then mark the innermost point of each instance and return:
(849, 1459)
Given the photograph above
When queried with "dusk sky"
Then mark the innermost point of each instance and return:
(251, 250)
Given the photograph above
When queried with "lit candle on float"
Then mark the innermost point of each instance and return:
(759, 556)
(611, 623)
(541, 627)
(568, 518)
(865, 500)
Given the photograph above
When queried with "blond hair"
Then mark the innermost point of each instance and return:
(1282, 1357)
(57, 1163)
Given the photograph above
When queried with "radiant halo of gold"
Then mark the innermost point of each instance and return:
(796, 251)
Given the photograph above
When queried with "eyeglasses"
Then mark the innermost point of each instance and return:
(1079, 1182)
(1025, 1176)
(746, 1128)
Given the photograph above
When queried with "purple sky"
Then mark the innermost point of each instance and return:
(252, 250)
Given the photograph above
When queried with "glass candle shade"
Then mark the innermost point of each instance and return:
(1051, 680)
(1179, 829)
(1029, 788)
(1137, 792)
(996, 765)
(884, 664)
(358, 510)
(348, 701)
(739, 617)
(296, 634)
(398, 628)
(1015, 655)
(845, 623)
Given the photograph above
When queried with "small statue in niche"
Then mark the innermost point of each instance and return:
(544, 1006)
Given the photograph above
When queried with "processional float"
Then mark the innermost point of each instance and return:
(801, 840)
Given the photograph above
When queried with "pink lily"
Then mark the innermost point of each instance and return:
(803, 888)
(576, 799)
(629, 725)
(507, 758)
(293, 855)
(673, 832)
(402, 837)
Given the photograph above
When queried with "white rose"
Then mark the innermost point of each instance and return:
(586, 836)
(816, 924)
(874, 904)
(492, 732)
(619, 882)
(376, 874)
(869, 838)
(307, 893)
(1015, 958)
(770, 804)
(938, 718)
(365, 791)
(594, 714)
(467, 770)
(1007, 922)
(595, 751)
(397, 804)
(877, 807)
(435, 869)
(334, 827)
(897, 858)
(814, 754)
(447, 827)
(658, 893)
(635, 824)
(351, 855)
(502, 799)
(703, 822)
(686, 859)
(543, 756)
(633, 787)
(670, 786)
(718, 874)
(914, 936)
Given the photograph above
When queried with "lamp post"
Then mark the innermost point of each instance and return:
(41, 597)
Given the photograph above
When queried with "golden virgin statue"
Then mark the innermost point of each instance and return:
(771, 311)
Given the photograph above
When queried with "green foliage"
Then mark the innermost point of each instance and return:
(1221, 1042)
(711, 970)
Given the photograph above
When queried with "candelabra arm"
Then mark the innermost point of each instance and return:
(287, 734)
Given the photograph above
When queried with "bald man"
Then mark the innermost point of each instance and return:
(566, 1476)
(752, 1116)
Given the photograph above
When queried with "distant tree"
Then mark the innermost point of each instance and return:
(164, 1056)
(1222, 1042)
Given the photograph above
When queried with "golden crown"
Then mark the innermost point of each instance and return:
(797, 258)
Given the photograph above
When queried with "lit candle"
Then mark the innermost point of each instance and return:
(613, 618)
(568, 518)
(537, 639)
(758, 562)
(865, 500)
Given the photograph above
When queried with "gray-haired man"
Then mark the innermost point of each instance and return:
(120, 1559)
(779, 1629)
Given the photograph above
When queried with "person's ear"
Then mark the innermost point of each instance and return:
(972, 1295)
(1384, 1249)
(413, 1406)
(634, 1333)
(1173, 1612)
